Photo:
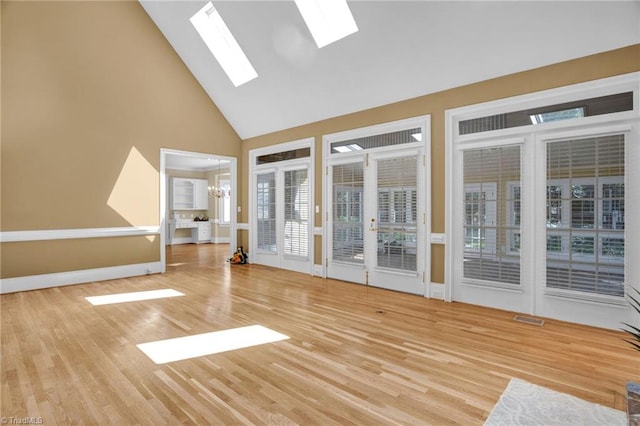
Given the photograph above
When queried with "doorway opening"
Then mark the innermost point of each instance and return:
(197, 198)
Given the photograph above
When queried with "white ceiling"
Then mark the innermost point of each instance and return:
(403, 49)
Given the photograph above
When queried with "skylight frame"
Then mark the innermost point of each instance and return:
(328, 21)
(221, 43)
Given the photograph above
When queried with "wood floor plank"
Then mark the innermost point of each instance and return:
(356, 354)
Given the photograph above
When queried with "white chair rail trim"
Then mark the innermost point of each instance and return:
(65, 234)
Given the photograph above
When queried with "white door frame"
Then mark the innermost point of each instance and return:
(278, 167)
(423, 122)
(164, 198)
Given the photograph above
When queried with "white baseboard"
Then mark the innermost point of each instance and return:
(36, 282)
(220, 240)
(181, 240)
(436, 291)
(317, 270)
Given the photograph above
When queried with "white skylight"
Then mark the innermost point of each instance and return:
(216, 35)
(170, 350)
(328, 20)
(132, 297)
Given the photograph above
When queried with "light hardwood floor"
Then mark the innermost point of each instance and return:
(356, 355)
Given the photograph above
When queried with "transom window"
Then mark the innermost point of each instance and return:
(566, 111)
(377, 141)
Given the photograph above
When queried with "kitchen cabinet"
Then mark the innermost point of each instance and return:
(201, 197)
(200, 231)
(201, 234)
(189, 194)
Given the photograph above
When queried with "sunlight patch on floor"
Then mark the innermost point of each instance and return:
(164, 351)
(108, 299)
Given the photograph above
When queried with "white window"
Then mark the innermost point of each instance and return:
(224, 202)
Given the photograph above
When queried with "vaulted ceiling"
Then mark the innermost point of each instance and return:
(403, 49)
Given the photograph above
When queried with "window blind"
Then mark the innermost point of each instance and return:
(585, 215)
(266, 211)
(397, 213)
(296, 213)
(347, 233)
(492, 193)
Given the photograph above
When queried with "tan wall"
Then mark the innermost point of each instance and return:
(91, 91)
(620, 61)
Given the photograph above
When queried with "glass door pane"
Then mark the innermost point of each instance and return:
(347, 214)
(266, 211)
(395, 240)
(296, 213)
(397, 213)
(585, 215)
(491, 203)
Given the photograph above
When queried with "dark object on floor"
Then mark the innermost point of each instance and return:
(239, 257)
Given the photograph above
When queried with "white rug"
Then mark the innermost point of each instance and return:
(524, 403)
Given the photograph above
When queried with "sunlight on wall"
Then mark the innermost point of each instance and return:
(135, 195)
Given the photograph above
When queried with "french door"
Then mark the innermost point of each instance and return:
(489, 210)
(539, 208)
(377, 224)
(281, 216)
(548, 241)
